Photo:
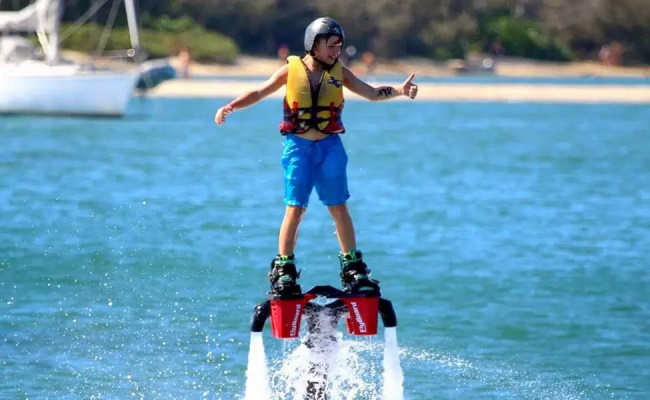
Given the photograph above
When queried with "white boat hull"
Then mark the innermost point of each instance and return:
(65, 90)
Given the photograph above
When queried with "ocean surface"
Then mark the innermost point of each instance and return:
(512, 239)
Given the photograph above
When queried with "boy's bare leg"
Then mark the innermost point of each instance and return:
(283, 275)
(354, 272)
(289, 230)
(344, 227)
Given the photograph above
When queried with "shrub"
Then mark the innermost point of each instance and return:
(164, 38)
(524, 38)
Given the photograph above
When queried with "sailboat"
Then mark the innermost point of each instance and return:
(50, 85)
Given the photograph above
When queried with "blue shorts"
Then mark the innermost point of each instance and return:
(317, 164)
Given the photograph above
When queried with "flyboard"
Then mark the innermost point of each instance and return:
(360, 310)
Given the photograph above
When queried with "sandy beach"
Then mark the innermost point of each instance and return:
(257, 66)
(253, 71)
(506, 92)
(456, 92)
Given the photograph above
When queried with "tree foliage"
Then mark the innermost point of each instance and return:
(545, 29)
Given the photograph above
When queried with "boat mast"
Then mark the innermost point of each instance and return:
(54, 24)
(44, 19)
(132, 20)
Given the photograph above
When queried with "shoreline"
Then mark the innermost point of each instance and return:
(256, 66)
(253, 70)
(504, 67)
(562, 93)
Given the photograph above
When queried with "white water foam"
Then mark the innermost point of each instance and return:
(460, 377)
(257, 379)
(351, 369)
(393, 376)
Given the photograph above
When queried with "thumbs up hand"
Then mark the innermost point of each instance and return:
(409, 88)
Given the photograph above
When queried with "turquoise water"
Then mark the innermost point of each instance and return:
(511, 238)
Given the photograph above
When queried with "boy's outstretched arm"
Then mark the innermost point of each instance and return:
(356, 85)
(275, 82)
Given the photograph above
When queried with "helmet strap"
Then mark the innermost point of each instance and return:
(325, 66)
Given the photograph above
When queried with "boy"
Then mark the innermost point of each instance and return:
(313, 152)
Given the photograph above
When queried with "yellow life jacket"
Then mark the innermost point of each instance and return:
(319, 108)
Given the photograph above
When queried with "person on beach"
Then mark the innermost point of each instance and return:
(314, 156)
(184, 61)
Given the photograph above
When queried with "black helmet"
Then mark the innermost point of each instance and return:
(321, 26)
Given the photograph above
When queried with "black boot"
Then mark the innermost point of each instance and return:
(355, 274)
(283, 277)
